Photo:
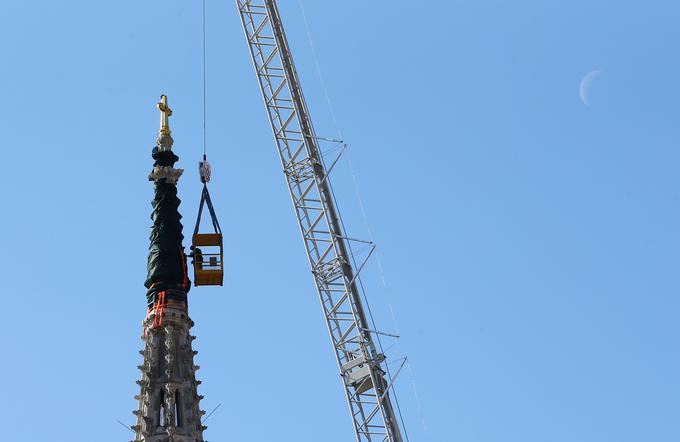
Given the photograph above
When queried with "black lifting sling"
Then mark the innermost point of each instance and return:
(205, 200)
(204, 168)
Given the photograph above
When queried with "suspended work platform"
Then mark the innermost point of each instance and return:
(208, 259)
(207, 249)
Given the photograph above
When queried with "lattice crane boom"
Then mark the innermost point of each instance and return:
(334, 270)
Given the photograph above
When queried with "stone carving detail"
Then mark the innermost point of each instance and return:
(168, 401)
(170, 174)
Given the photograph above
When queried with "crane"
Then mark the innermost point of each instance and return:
(334, 269)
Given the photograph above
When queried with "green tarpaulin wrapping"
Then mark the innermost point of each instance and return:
(167, 266)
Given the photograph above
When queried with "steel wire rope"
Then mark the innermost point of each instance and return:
(203, 25)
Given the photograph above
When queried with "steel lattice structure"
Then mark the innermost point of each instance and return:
(328, 249)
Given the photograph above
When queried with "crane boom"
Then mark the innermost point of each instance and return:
(333, 268)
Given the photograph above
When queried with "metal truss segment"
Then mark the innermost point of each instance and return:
(326, 243)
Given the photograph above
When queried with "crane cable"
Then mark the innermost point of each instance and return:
(204, 168)
(204, 94)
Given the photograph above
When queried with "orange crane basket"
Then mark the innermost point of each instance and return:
(207, 249)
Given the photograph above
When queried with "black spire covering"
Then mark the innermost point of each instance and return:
(167, 264)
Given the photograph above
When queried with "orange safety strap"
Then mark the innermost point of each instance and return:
(159, 310)
(183, 257)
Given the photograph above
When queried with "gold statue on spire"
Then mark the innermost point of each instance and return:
(164, 139)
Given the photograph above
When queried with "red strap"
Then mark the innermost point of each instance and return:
(159, 310)
(183, 257)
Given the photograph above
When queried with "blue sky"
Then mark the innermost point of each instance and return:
(528, 243)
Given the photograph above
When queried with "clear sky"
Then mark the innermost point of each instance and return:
(529, 244)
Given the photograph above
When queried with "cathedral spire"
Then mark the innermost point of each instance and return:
(167, 266)
(168, 403)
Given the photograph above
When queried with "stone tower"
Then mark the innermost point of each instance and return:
(168, 401)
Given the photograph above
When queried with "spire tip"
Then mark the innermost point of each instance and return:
(164, 139)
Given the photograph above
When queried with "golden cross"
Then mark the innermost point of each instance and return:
(166, 112)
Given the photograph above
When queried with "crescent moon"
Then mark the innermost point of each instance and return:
(584, 88)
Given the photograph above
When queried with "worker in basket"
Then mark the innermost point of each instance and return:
(197, 257)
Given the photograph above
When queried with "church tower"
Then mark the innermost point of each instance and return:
(168, 408)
